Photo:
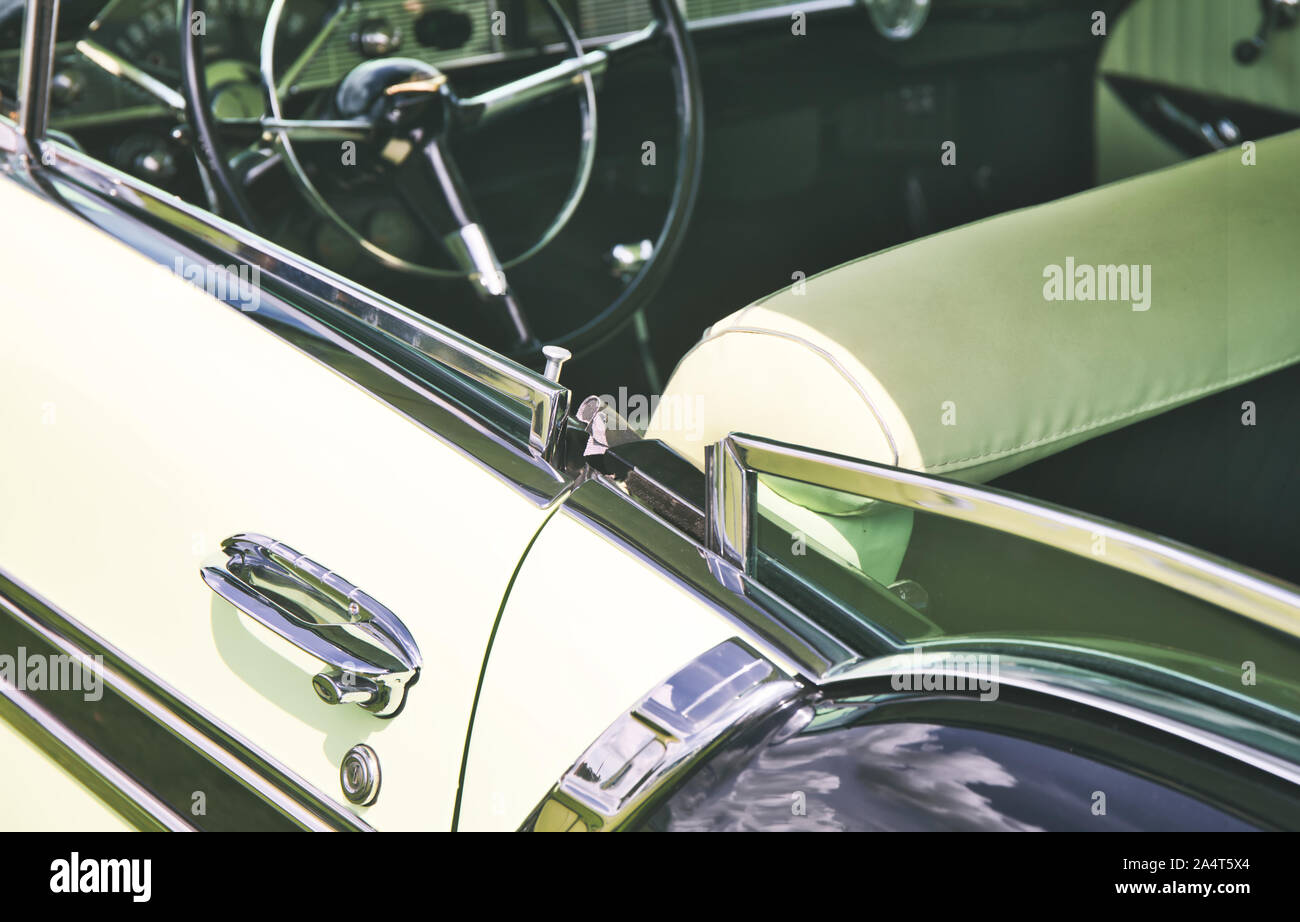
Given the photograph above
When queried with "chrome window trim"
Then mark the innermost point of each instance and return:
(732, 467)
(827, 652)
(813, 649)
(36, 70)
(544, 404)
(173, 722)
(459, 410)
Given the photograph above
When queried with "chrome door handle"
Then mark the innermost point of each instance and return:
(373, 658)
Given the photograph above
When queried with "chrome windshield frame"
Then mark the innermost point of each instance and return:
(36, 69)
(733, 465)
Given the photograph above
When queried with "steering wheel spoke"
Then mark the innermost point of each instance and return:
(541, 86)
(297, 129)
(429, 182)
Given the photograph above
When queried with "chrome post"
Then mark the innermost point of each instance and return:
(36, 71)
(556, 356)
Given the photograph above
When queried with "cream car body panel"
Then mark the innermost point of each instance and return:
(130, 486)
(569, 657)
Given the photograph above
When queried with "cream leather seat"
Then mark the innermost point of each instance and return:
(945, 355)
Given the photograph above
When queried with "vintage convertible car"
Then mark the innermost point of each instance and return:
(993, 528)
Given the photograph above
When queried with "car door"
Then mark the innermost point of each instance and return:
(1180, 78)
(145, 421)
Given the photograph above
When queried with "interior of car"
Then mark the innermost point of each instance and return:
(833, 224)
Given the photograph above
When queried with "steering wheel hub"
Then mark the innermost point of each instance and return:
(394, 93)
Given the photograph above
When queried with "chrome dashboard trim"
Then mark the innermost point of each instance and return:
(143, 722)
(777, 11)
(734, 463)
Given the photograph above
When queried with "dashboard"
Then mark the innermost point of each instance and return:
(116, 84)
(322, 40)
(117, 60)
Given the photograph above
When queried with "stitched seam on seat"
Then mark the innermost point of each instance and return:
(833, 362)
(1116, 417)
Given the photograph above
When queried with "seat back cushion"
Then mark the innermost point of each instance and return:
(977, 350)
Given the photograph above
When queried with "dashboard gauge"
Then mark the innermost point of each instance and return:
(144, 31)
(234, 90)
(898, 20)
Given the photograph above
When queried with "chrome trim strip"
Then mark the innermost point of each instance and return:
(780, 11)
(1185, 569)
(1140, 703)
(396, 356)
(37, 63)
(135, 804)
(70, 123)
(272, 791)
(544, 403)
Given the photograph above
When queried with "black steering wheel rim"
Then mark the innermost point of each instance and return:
(686, 185)
(639, 290)
(198, 112)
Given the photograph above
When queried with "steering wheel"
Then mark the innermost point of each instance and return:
(407, 111)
